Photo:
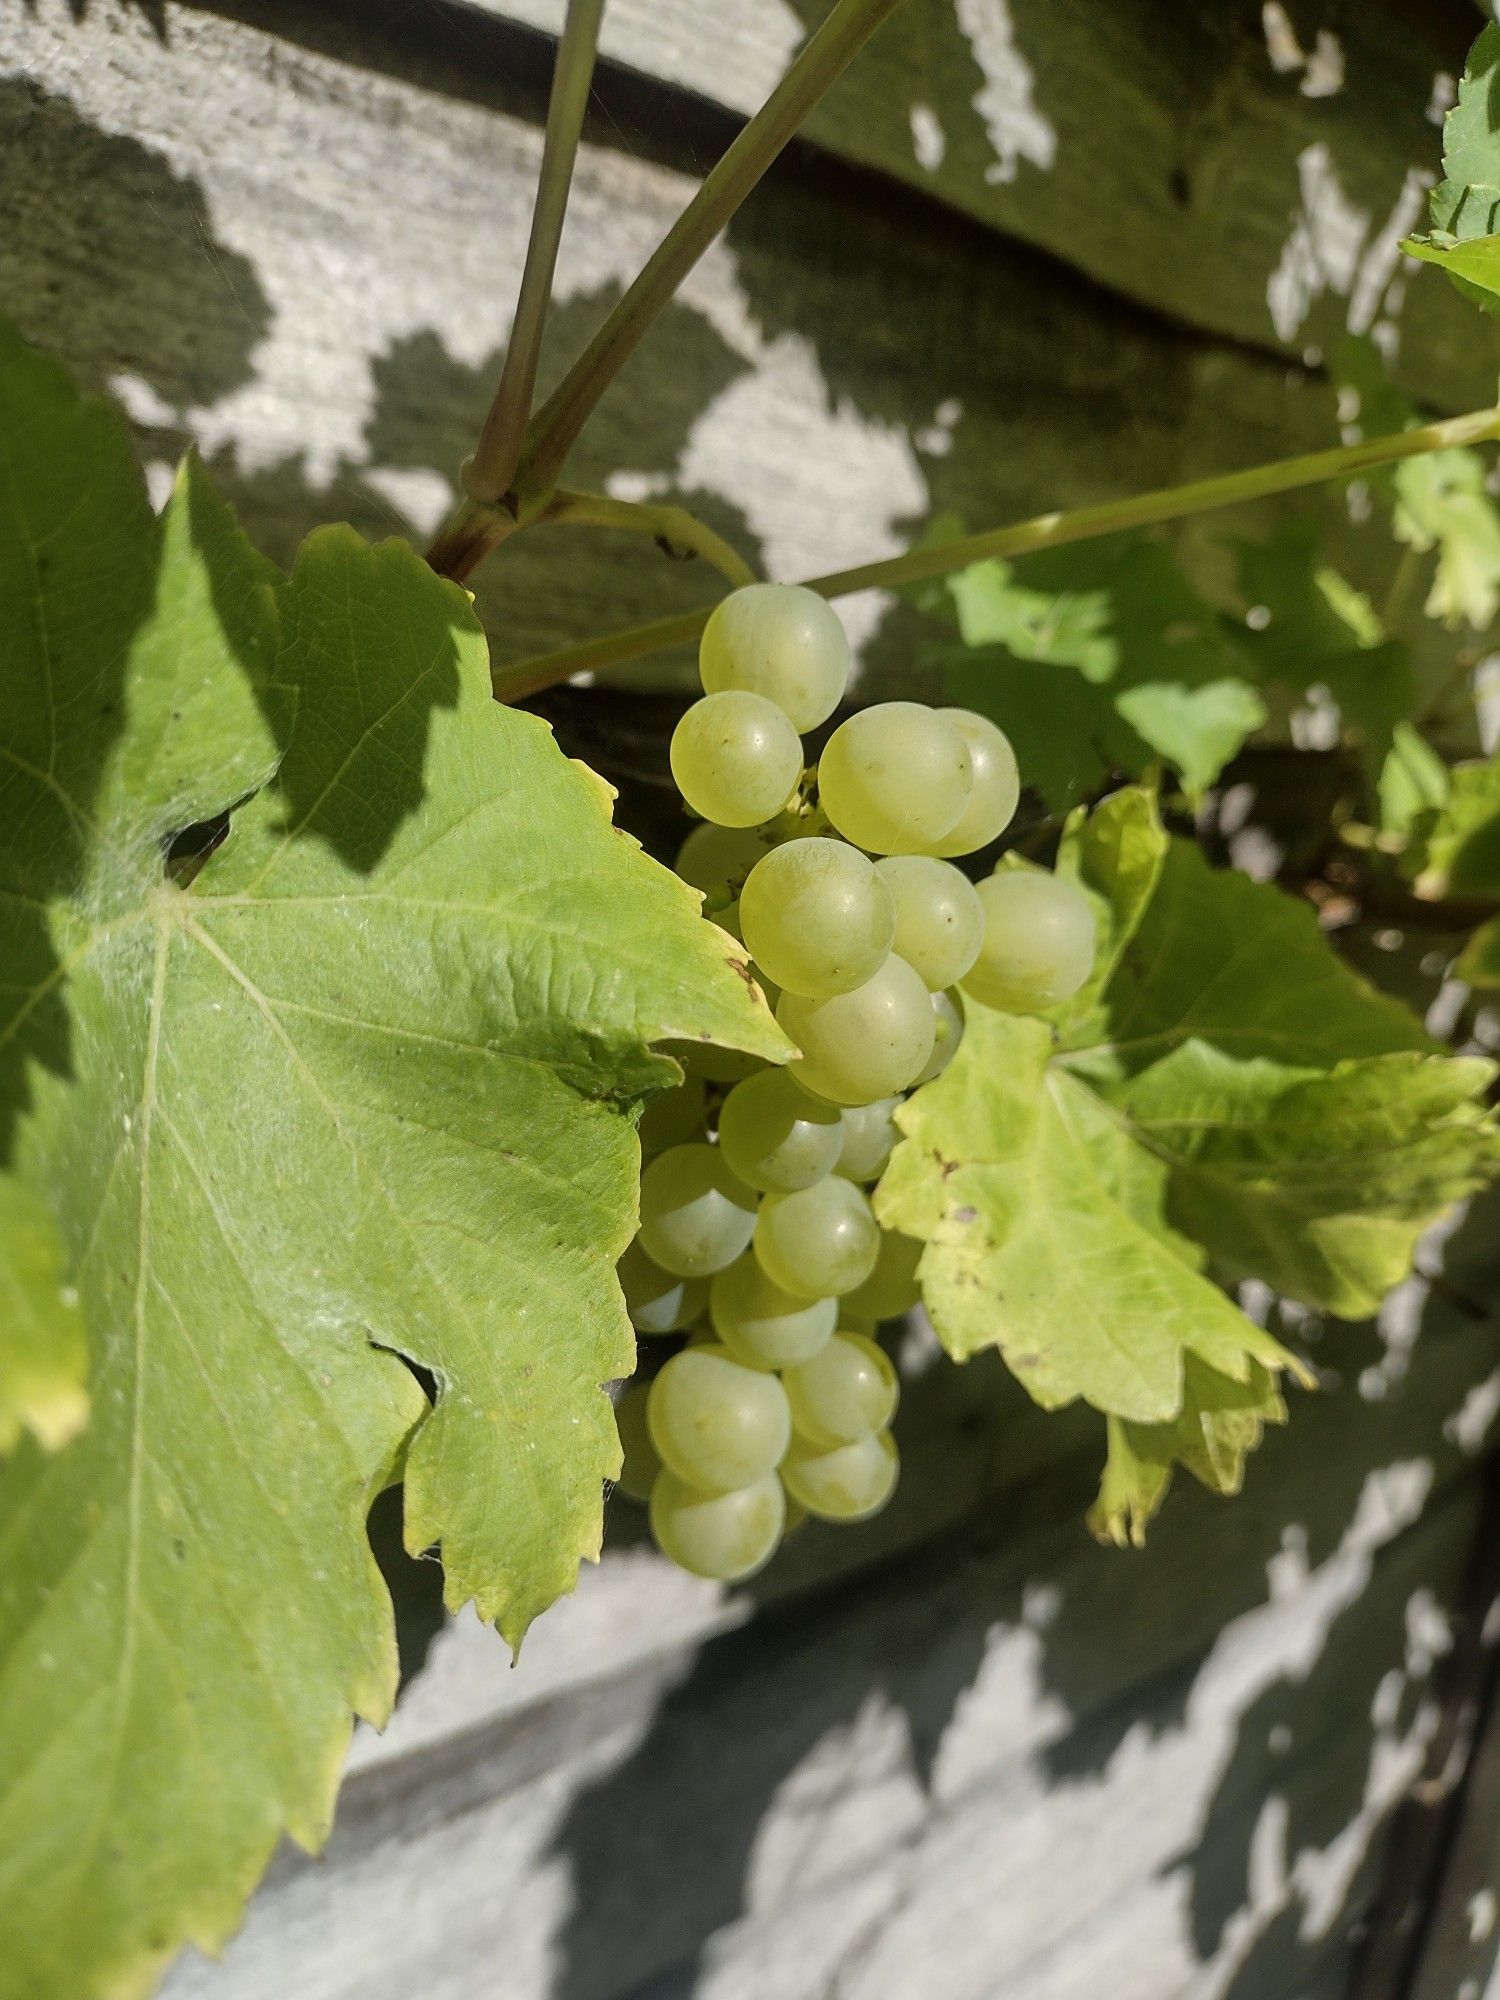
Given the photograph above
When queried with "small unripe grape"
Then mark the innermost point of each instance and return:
(736, 758)
(947, 1033)
(672, 1118)
(716, 1423)
(997, 785)
(849, 1483)
(716, 859)
(891, 1288)
(870, 1135)
(762, 1325)
(658, 1301)
(781, 641)
(696, 1216)
(723, 1536)
(861, 1045)
(847, 1390)
(1038, 942)
(939, 917)
(894, 778)
(817, 917)
(776, 1137)
(642, 1462)
(819, 1242)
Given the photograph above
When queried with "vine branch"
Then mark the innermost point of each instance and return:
(679, 532)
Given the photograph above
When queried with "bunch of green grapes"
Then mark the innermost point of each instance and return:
(757, 1239)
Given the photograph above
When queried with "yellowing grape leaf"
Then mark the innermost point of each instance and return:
(1224, 1100)
(337, 995)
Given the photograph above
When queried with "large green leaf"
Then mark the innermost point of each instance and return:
(43, 1352)
(1465, 238)
(356, 1082)
(1223, 1101)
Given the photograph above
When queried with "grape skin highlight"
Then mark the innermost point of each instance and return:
(862, 1045)
(817, 917)
(894, 778)
(776, 1137)
(1039, 941)
(819, 1242)
(939, 917)
(696, 1216)
(723, 1536)
(779, 640)
(736, 758)
(716, 1423)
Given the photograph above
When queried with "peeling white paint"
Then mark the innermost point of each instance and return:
(1018, 130)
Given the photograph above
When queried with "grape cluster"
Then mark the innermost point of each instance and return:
(757, 1239)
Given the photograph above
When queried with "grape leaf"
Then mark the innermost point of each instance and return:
(1465, 204)
(1458, 852)
(338, 991)
(42, 1349)
(1224, 1100)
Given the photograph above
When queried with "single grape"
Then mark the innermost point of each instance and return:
(894, 778)
(849, 1483)
(817, 917)
(658, 1301)
(847, 1390)
(696, 1216)
(716, 859)
(672, 1118)
(736, 758)
(715, 1422)
(939, 917)
(819, 1242)
(1038, 942)
(776, 1137)
(723, 1536)
(997, 785)
(861, 1045)
(762, 1325)
(642, 1462)
(891, 1288)
(947, 1033)
(781, 641)
(870, 1135)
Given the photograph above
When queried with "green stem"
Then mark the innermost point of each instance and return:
(679, 532)
(1043, 531)
(492, 468)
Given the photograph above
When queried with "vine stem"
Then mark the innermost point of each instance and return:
(1042, 531)
(679, 532)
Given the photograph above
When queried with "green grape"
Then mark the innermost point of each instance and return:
(894, 778)
(997, 785)
(658, 1301)
(781, 641)
(861, 1045)
(870, 1135)
(716, 1423)
(947, 1033)
(847, 1390)
(703, 1060)
(891, 1288)
(817, 917)
(819, 1242)
(672, 1118)
(762, 1325)
(939, 917)
(736, 758)
(696, 1216)
(1038, 942)
(642, 1461)
(776, 1137)
(723, 1536)
(716, 859)
(849, 1483)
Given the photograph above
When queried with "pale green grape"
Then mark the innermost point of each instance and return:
(819, 1242)
(849, 1483)
(781, 641)
(997, 785)
(848, 1389)
(776, 1137)
(870, 1133)
(1038, 942)
(723, 1536)
(703, 1060)
(672, 1118)
(939, 917)
(658, 1301)
(642, 1462)
(891, 1288)
(817, 917)
(947, 1033)
(762, 1325)
(894, 778)
(861, 1045)
(716, 859)
(696, 1216)
(716, 1423)
(736, 758)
